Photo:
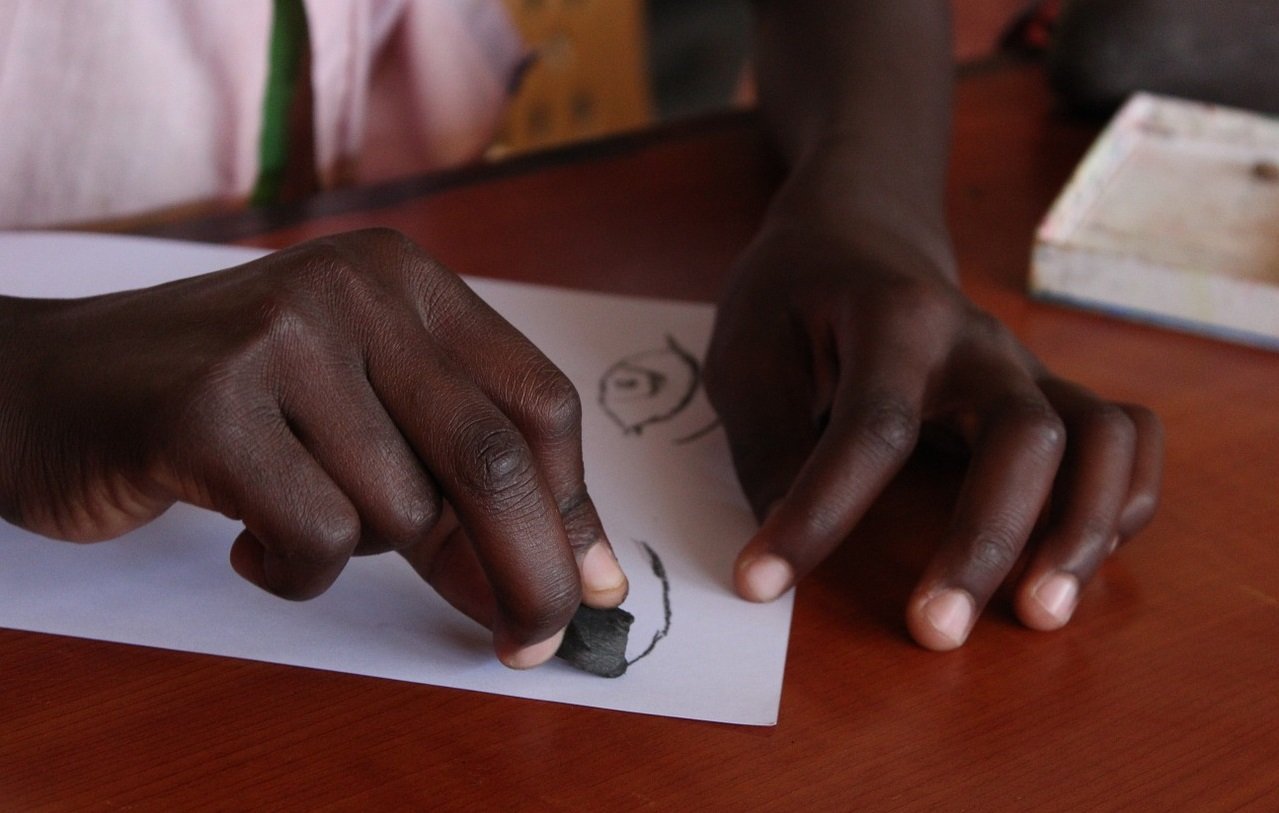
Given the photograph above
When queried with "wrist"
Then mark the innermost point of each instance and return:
(835, 195)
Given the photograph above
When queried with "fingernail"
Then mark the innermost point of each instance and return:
(1057, 595)
(950, 613)
(534, 655)
(600, 573)
(766, 577)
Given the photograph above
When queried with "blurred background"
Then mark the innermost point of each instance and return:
(608, 66)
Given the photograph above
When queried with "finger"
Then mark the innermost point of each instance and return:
(447, 561)
(300, 529)
(1147, 472)
(771, 427)
(1092, 487)
(874, 425)
(488, 474)
(1019, 449)
(339, 419)
(512, 518)
(546, 408)
(246, 559)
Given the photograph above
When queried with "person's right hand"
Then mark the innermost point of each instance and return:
(340, 397)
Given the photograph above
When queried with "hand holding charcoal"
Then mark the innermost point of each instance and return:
(340, 398)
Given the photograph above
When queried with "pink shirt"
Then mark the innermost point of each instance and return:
(115, 108)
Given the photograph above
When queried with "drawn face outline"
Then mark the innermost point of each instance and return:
(649, 387)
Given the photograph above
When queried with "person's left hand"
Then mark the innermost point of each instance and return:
(829, 356)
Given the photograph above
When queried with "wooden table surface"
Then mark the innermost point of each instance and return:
(1163, 694)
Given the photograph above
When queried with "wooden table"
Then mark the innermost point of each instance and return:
(1163, 694)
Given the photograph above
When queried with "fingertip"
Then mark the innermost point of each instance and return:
(941, 621)
(298, 579)
(246, 559)
(604, 585)
(1050, 602)
(763, 577)
(275, 574)
(1137, 513)
(1147, 474)
(516, 656)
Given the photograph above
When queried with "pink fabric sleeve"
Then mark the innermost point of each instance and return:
(439, 87)
(108, 109)
(112, 109)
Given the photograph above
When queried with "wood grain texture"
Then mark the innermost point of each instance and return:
(1163, 694)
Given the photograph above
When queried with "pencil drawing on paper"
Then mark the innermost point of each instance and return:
(652, 387)
(659, 570)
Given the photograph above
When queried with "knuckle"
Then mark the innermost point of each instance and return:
(986, 327)
(428, 278)
(1094, 532)
(344, 286)
(494, 461)
(553, 404)
(294, 318)
(994, 550)
(216, 413)
(1139, 511)
(1112, 422)
(387, 259)
(330, 538)
(280, 320)
(1042, 428)
(348, 263)
(1145, 420)
(577, 506)
(904, 297)
(985, 337)
(892, 425)
(335, 534)
(581, 523)
(824, 521)
(413, 515)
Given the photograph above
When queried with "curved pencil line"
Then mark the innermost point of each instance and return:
(699, 434)
(659, 570)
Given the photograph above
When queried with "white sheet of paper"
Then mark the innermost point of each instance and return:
(169, 585)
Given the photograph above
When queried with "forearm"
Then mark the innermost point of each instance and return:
(857, 97)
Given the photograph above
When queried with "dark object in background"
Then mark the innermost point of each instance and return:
(696, 51)
(1219, 51)
(595, 641)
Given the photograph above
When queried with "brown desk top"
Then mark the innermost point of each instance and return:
(1163, 694)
